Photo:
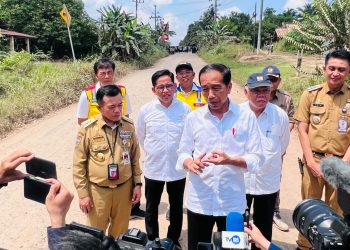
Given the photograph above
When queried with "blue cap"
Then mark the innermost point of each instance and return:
(258, 80)
(271, 70)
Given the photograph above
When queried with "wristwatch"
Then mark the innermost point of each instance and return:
(3, 185)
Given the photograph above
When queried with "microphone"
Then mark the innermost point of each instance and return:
(337, 173)
(234, 236)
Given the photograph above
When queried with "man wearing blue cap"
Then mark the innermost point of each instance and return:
(283, 100)
(262, 187)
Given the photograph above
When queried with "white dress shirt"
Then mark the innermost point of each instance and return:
(83, 106)
(159, 131)
(220, 189)
(274, 129)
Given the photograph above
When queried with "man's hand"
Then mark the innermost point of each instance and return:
(257, 237)
(8, 166)
(57, 203)
(218, 157)
(315, 169)
(136, 194)
(85, 204)
(196, 166)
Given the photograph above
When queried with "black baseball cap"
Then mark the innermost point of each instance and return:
(258, 80)
(183, 65)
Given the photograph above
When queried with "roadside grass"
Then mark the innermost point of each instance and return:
(243, 62)
(30, 89)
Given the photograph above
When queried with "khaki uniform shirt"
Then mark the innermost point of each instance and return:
(322, 110)
(92, 154)
(284, 100)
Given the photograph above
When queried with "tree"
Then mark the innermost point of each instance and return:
(327, 30)
(42, 19)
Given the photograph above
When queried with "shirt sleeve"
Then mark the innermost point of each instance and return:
(273, 247)
(82, 110)
(128, 104)
(303, 111)
(253, 156)
(135, 160)
(285, 134)
(141, 128)
(186, 146)
(54, 237)
(80, 161)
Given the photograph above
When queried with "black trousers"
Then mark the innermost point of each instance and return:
(200, 227)
(153, 193)
(264, 206)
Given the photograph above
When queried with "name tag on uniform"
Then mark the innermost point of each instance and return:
(126, 157)
(125, 134)
(113, 172)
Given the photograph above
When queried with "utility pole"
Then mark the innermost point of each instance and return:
(136, 5)
(259, 32)
(254, 16)
(215, 9)
(156, 17)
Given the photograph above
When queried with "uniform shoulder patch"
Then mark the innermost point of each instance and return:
(87, 123)
(126, 119)
(315, 87)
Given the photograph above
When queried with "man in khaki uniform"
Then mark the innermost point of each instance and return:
(283, 100)
(324, 129)
(106, 168)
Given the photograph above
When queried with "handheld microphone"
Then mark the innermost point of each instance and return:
(337, 173)
(234, 236)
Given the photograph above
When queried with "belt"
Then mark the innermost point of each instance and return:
(111, 186)
(322, 155)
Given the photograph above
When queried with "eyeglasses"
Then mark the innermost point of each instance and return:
(166, 86)
(182, 73)
(258, 91)
(104, 74)
(274, 79)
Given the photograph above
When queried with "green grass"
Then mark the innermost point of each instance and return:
(30, 89)
(231, 55)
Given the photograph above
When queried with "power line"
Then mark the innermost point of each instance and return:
(136, 5)
(155, 17)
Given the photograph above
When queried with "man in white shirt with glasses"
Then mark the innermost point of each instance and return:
(159, 127)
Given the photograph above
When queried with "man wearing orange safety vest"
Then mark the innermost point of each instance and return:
(88, 107)
(104, 73)
(187, 91)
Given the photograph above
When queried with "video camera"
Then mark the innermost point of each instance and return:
(133, 239)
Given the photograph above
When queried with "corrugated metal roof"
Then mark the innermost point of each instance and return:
(283, 31)
(15, 34)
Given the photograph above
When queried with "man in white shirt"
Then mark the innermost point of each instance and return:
(159, 127)
(219, 143)
(262, 186)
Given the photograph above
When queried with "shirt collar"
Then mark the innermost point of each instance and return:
(341, 91)
(232, 108)
(195, 87)
(102, 123)
(173, 102)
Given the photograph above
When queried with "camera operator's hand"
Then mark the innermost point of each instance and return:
(85, 204)
(8, 165)
(57, 203)
(257, 237)
(136, 195)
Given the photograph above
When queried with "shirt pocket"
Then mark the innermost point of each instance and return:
(155, 131)
(99, 151)
(317, 115)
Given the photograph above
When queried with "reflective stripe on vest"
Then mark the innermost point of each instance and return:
(195, 99)
(92, 102)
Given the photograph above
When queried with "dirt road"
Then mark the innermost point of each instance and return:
(23, 222)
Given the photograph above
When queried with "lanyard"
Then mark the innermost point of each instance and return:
(109, 144)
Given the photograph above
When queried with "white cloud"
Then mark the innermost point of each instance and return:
(177, 25)
(162, 2)
(294, 4)
(228, 11)
(91, 6)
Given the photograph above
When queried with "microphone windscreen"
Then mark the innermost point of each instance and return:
(234, 222)
(336, 172)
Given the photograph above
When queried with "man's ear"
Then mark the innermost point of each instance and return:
(154, 90)
(324, 68)
(246, 92)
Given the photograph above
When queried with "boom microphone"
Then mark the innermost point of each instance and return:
(336, 172)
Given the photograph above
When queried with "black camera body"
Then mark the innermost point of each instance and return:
(321, 225)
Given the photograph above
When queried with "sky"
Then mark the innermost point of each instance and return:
(181, 13)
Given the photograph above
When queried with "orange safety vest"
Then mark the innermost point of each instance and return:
(92, 102)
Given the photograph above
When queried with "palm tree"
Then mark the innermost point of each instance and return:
(327, 30)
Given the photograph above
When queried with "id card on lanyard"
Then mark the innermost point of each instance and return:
(112, 169)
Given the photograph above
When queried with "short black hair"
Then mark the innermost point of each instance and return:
(103, 63)
(338, 54)
(225, 72)
(159, 73)
(109, 90)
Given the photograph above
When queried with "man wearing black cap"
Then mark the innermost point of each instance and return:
(187, 91)
(263, 186)
(283, 100)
